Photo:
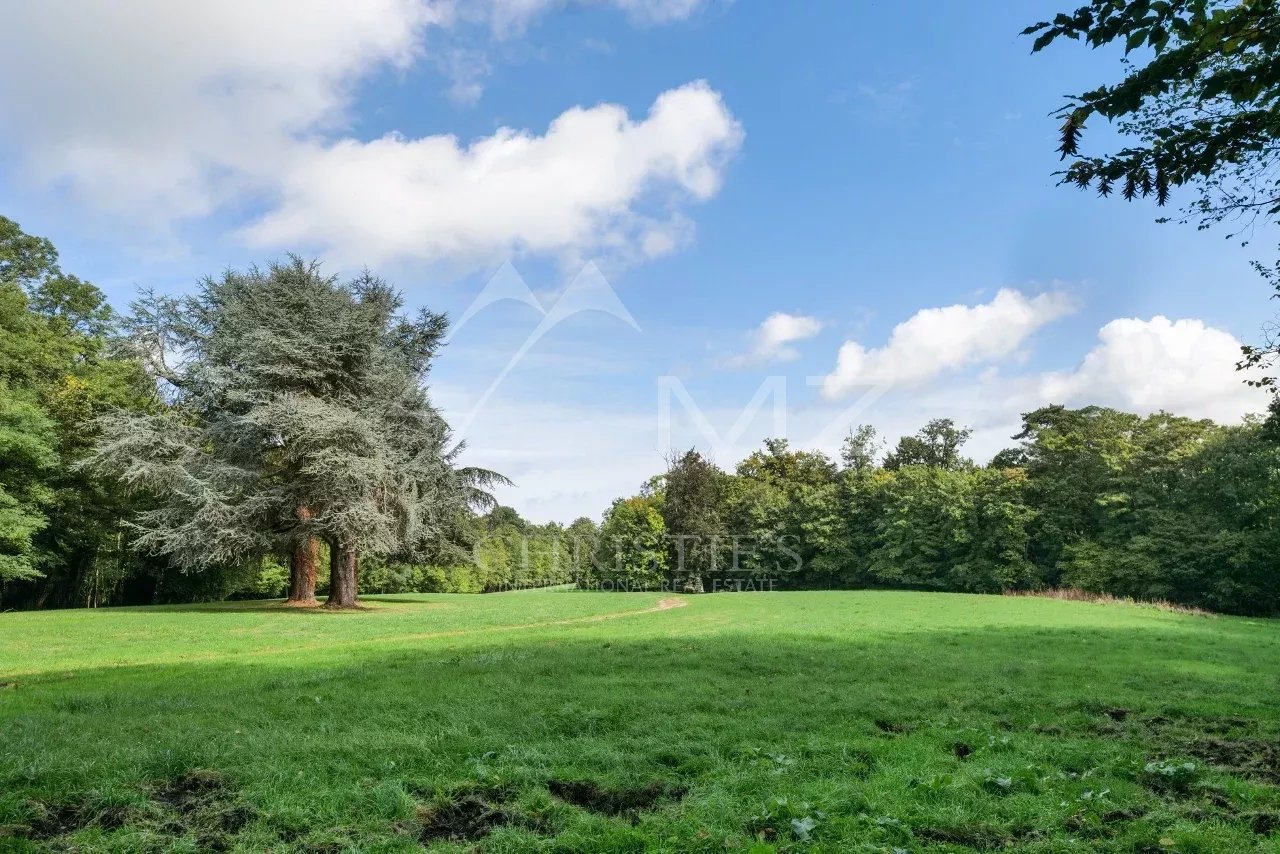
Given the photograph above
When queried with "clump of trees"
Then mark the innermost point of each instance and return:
(63, 538)
(1156, 507)
(219, 444)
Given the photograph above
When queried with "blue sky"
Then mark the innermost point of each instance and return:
(878, 184)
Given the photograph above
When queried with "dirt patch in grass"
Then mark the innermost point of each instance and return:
(471, 811)
(1091, 822)
(1262, 823)
(1171, 722)
(617, 802)
(1216, 804)
(465, 819)
(1250, 757)
(51, 820)
(198, 803)
(202, 804)
(1228, 743)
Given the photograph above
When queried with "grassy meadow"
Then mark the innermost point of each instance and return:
(569, 721)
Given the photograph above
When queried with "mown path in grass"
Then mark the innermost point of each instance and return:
(566, 721)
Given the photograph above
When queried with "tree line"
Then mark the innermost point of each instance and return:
(1158, 507)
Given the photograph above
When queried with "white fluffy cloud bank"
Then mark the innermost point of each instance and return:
(580, 187)
(937, 340)
(168, 111)
(1183, 366)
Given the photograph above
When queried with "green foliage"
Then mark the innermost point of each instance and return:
(1196, 529)
(380, 577)
(297, 410)
(61, 367)
(781, 509)
(693, 513)
(1200, 103)
(937, 444)
(632, 550)
(1197, 107)
(1156, 507)
(27, 456)
(962, 529)
(271, 581)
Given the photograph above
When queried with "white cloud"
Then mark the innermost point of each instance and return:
(173, 108)
(166, 111)
(579, 187)
(1183, 366)
(771, 340)
(935, 340)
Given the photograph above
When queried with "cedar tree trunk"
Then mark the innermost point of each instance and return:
(342, 577)
(302, 567)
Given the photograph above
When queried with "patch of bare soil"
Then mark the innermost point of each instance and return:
(465, 819)
(197, 804)
(596, 798)
(1249, 757)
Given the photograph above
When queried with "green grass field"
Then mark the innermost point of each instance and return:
(567, 721)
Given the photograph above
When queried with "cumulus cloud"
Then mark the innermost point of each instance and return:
(936, 340)
(172, 108)
(1183, 366)
(771, 340)
(166, 111)
(579, 187)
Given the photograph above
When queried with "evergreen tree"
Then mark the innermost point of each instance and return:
(298, 414)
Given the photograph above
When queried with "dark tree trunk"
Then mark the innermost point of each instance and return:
(342, 577)
(302, 573)
(44, 593)
(302, 567)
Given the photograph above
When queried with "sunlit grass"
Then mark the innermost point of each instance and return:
(791, 721)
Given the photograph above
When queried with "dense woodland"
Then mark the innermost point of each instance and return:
(240, 441)
(1160, 507)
